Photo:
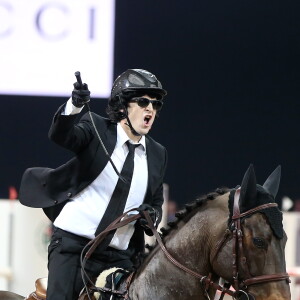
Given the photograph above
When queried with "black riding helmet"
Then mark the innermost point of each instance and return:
(134, 82)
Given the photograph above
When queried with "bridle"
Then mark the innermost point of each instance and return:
(240, 285)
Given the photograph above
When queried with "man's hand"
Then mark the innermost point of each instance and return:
(80, 95)
(153, 215)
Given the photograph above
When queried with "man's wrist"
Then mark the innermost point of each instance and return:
(71, 109)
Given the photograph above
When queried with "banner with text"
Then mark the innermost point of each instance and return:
(43, 42)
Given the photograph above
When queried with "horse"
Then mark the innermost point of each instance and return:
(4, 295)
(231, 234)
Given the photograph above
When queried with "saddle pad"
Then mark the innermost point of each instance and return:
(101, 279)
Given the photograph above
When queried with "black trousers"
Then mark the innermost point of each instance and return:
(64, 278)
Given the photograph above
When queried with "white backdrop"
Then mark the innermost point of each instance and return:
(24, 235)
(43, 42)
(291, 224)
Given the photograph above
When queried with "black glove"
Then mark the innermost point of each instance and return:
(80, 94)
(153, 215)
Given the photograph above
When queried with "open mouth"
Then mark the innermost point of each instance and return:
(147, 120)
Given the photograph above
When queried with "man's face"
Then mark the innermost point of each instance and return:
(141, 118)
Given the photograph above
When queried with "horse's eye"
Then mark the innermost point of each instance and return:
(260, 243)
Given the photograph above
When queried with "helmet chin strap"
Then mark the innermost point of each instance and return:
(133, 131)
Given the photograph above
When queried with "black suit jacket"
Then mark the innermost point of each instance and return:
(50, 189)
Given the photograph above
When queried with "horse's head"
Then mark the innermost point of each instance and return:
(257, 241)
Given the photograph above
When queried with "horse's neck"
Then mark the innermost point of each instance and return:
(194, 240)
(191, 244)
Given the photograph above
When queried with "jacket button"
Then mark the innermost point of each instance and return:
(55, 201)
(69, 194)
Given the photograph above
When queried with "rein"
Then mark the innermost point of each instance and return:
(205, 280)
(93, 245)
(237, 252)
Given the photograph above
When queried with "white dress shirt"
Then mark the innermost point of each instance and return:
(83, 213)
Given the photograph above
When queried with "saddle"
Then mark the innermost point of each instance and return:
(40, 290)
(115, 284)
(112, 280)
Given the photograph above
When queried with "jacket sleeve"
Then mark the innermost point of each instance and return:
(67, 132)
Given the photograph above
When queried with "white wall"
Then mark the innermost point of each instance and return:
(291, 224)
(24, 235)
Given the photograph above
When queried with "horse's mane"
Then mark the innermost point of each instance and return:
(189, 209)
(187, 212)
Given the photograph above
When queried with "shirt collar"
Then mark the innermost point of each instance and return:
(122, 138)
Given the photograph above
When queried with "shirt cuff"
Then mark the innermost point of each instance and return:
(70, 109)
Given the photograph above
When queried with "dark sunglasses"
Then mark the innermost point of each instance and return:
(144, 102)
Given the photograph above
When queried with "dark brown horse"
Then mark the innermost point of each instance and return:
(4, 295)
(233, 234)
(241, 242)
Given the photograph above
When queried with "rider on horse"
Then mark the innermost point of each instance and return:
(83, 196)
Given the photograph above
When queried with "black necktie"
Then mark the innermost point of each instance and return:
(119, 197)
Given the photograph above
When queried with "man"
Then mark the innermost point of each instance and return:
(83, 196)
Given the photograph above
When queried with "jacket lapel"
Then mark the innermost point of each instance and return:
(111, 138)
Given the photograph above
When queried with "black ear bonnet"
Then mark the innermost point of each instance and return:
(273, 214)
(253, 195)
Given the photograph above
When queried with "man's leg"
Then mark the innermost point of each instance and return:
(64, 278)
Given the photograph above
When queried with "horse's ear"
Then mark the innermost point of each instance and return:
(248, 190)
(273, 181)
